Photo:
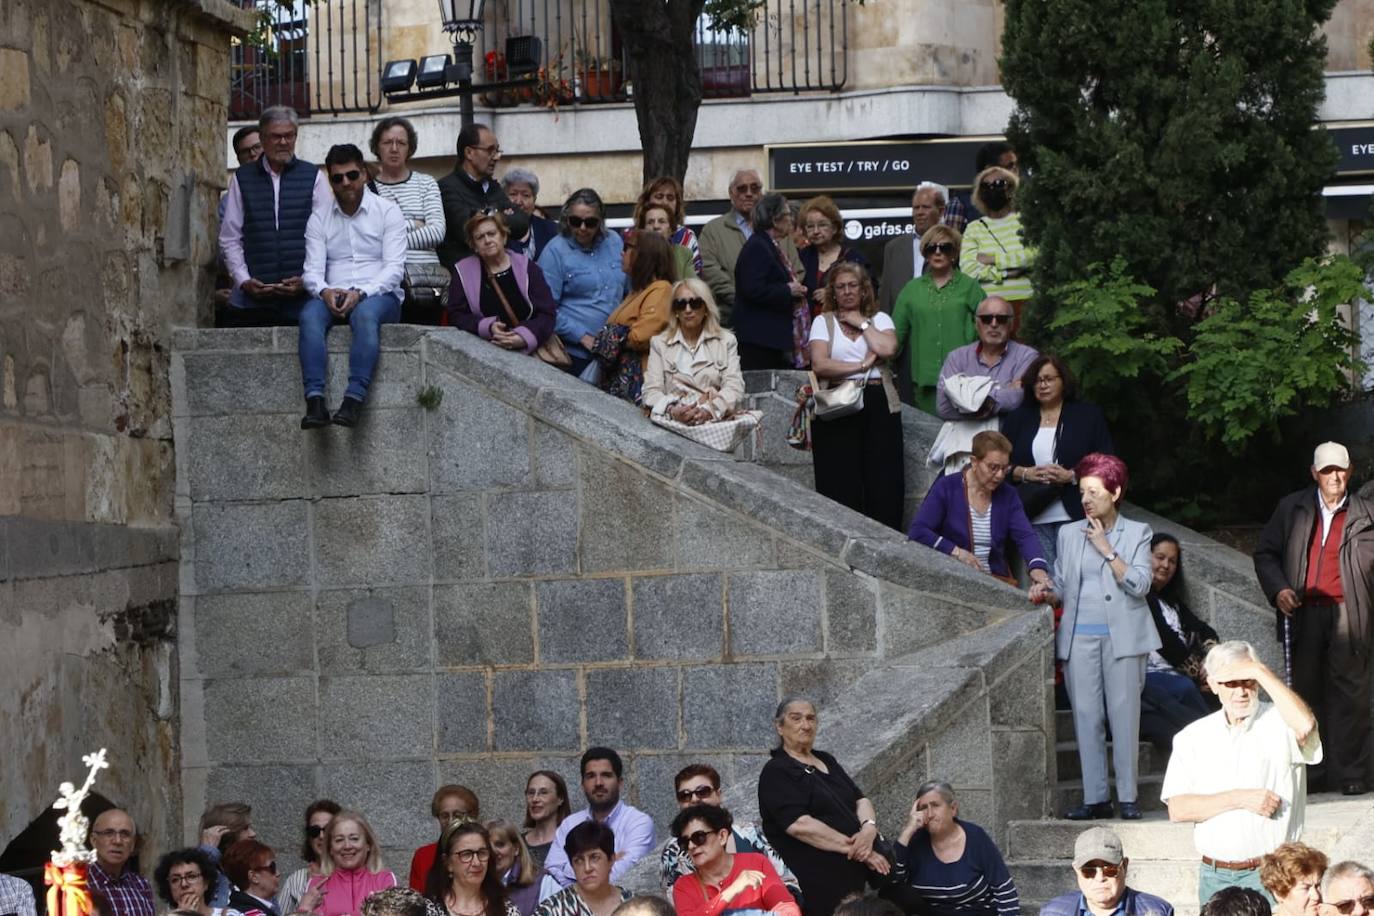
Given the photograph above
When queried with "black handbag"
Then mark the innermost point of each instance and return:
(1036, 496)
(426, 292)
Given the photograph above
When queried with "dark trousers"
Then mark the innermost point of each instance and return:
(752, 356)
(1168, 702)
(858, 459)
(1334, 680)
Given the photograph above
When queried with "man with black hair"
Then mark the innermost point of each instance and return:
(472, 187)
(1237, 901)
(247, 144)
(354, 260)
(602, 780)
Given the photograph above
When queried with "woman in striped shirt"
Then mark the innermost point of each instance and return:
(417, 194)
(953, 864)
(994, 249)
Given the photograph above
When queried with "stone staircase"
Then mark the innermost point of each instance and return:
(1163, 861)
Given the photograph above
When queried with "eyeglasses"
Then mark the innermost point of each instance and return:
(1047, 380)
(995, 319)
(700, 792)
(251, 150)
(1346, 907)
(190, 877)
(270, 866)
(747, 188)
(467, 855)
(944, 248)
(577, 222)
(1248, 684)
(314, 831)
(698, 838)
(682, 305)
(493, 150)
(995, 468)
(1092, 871)
(538, 793)
(111, 833)
(341, 177)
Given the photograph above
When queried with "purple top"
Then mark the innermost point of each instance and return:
(1016, 359)
(465, 301)
(942, 522)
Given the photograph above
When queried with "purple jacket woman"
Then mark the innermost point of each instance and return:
(475, 308)
(942, 522)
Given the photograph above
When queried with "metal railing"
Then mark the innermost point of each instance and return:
(325, 56)
(317, 56)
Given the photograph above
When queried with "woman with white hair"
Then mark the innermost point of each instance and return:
(522, 187)
(693, 373)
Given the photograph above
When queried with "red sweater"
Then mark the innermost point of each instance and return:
(1323, 585)
(420, 865)
(693, 897)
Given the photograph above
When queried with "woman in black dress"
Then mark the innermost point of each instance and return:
(815, 816)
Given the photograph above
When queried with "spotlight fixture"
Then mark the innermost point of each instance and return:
(397, 76)
(432, 70)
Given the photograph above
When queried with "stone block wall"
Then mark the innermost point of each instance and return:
(112, 115)
(476, 591)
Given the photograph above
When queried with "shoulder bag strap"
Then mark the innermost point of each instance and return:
(505, 304)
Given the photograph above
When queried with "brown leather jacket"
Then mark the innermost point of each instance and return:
(1281, 556)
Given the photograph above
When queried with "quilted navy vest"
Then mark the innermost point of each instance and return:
(275, 249)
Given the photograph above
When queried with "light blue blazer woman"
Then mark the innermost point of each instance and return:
(1106, 669)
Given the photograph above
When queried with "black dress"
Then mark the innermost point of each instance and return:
(789, 789)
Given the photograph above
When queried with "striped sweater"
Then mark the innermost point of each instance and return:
(418, 197)
(1002, 238)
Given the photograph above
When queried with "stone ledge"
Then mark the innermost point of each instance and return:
(36, 548)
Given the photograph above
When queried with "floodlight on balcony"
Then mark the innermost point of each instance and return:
(432, 71)
(397, 76)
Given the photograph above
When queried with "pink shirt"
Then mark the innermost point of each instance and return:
(345, 890)
(231, 225)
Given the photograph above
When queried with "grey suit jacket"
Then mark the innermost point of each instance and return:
(899, 268)
(1128, 615)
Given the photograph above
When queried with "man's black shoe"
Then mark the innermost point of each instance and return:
(1354, 787)
(316, 414)
(1130, 811)
(1097, 812)
(347, 414)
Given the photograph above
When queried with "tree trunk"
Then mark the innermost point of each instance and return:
(659, 38)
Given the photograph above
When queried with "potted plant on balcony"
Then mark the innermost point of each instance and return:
(600, 77)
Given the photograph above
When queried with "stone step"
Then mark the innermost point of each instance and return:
(1153, 838)
(1069, 793)
(1150, 759)
(1043, 880)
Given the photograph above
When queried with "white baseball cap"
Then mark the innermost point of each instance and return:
(1331, 454)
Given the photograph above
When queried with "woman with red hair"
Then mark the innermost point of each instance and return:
(1102, 574)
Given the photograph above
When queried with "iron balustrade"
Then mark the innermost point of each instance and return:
(326, 56)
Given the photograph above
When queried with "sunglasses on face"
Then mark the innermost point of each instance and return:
(944, 248)
(1091, 871)
(578, 222)
(748, 188)
(995, 319)
(314, 830)
(700, 792)
(1240, 685)
(1346, 907)
(682, 305)
(270, 866)
(340, 177)
(699, 838)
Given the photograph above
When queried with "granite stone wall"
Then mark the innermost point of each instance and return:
(475, 591)
(112, 115)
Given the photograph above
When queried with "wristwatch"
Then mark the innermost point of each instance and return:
(1111, 557)
(864, 327)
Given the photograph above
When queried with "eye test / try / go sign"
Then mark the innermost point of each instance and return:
(849, 165)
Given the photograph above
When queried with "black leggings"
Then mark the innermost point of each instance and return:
(858, 459)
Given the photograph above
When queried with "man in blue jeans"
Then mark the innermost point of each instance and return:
(354, 261)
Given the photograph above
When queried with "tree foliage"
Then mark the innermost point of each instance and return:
(1173, 191)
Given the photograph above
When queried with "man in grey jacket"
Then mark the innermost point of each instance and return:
(1315, 564)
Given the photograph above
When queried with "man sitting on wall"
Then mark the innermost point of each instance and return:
(262, 234)
(354, 261)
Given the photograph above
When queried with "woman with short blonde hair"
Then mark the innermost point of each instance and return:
(693, 374)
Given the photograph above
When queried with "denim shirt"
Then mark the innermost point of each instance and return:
(586, 283)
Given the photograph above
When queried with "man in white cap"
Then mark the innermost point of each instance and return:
(1315, 563)
(1099, 864)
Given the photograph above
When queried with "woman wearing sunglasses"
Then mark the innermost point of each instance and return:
(952, 863)
(317, 817)
(934, 312)
(464, 880)
(723, 880)
(252, 868)
(995, 252)
(693, 373)
(699, 784)
(582, 266)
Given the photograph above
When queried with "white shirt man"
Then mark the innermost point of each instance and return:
(1240, 774)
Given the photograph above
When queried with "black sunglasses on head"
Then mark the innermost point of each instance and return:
(995, 319)
(350, 175)
(577, 222)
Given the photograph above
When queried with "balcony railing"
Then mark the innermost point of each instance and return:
(325, 56)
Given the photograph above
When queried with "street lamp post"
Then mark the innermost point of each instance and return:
(462, 20)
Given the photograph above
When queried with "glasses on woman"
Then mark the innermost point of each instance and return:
(694, 303)
(696, 838)
(944, 248)
(184, 879)
(467, 855)
(578, 222)
(314, 831)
